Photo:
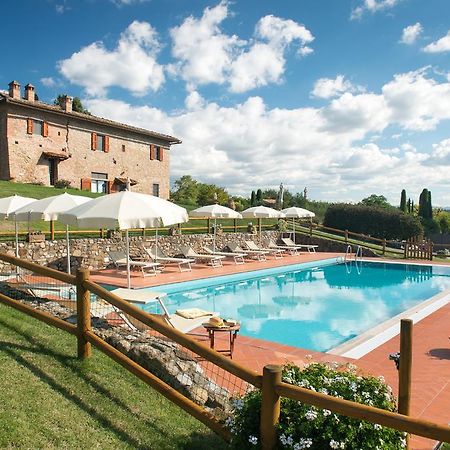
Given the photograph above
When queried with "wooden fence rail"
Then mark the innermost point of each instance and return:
(270, 382)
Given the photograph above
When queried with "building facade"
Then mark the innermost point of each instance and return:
(42, 143)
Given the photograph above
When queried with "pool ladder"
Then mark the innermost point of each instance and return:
(358, 253)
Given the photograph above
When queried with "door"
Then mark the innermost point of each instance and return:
(53, 171)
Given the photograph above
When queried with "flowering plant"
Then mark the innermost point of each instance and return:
(302, 426)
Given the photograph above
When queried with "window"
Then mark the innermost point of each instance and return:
(99, 142)
(38, 127)
(156, 189)
(99, 182)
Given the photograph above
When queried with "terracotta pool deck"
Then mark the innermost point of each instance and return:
(431, 351)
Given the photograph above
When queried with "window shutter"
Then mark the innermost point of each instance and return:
(106, 144)
(161, 154)
(29, 126)
(94, 141)
(45, 129)
(152, 152)
(85, 184)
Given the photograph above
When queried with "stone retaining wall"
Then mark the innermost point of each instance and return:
(93, 253)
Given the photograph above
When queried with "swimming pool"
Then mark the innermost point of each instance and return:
(316, 306)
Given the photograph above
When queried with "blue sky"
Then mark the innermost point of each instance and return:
(346, 97)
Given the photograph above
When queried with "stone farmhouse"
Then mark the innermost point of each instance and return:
(42, 143)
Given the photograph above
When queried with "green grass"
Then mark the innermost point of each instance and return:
(49, 399)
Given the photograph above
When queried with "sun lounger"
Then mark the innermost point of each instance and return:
(185, 320)
(290, 243)
(283, 248)
(119, 259)
(251, 245)
(157, 255)
(259, 255)
(189, 252)
(237, 257)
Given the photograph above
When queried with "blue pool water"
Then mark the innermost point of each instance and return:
(316, 307)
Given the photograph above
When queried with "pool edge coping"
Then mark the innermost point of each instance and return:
(371, 339)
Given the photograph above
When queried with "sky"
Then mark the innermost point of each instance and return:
(345, 97)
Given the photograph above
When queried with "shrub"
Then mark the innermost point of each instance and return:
(303, 426)
(376, 222)
(62, 184)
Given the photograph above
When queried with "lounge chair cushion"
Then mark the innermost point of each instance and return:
(193, 313)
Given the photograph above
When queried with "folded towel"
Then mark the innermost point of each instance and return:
(192, 313)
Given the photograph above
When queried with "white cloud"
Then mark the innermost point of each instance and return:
(411, 33)
(131, 65)
(372, 6)
(49, 82)
(120, 3)
(206, 54)
(326, 149)
(440, 46)
(329, 87)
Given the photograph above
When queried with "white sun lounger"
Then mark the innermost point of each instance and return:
(251, 245)
(214, 260)
(259, 255)
(291, 244)
(157, 255)
(119, 259)
(237, 257)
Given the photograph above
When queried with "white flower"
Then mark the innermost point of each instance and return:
(403, 443)
(303, 443)
(289, 440)
(381, 378)
(326, 412)
(377, 426)
(283, 439)
(336, 445)
(323, 391)
(238, 403)
(353, 386)
(311, 414)
(229, 422)
(253, 440)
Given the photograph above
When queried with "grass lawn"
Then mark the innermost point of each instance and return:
(49, 399)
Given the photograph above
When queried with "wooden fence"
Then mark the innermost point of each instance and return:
(417, 248)
(270, 382)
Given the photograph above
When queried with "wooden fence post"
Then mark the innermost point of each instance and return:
(52, 230)
(235, 225)
(405, 366)
(83, 314)
(384, 246)
(208, 226)
(310, 229)
(101, 233)
(346, 236)
(270, 406)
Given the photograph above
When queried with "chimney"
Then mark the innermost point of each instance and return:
(67, 103)
(14, 89)
(29, 92)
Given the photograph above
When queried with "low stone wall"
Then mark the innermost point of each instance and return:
(167, 360)
(93, 253)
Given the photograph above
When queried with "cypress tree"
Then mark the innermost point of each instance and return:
(429, 206)
(253, 199)
(423, 201)
(412, 206)
(403, 201)
(408, 206)
(258, 197)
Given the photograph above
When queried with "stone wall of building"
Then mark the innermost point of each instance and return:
(4, 166)
(93, 253)
(128, 156)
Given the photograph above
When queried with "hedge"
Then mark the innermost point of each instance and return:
(377, 222)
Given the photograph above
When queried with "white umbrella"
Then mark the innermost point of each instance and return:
(8, 206)
(297, 213)
(125, 210)
(261, 212)
(51, 208)
(216, 212)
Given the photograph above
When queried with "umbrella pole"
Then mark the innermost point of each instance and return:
(68, 249)
(17, 238)
(127, 243)
(260, 232)
(293, 228)
(214, 239)
(156, 245)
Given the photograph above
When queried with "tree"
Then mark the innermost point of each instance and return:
(259, 197)
(408, 206)
(186, 190)
(379, 201)
(253, 199)
(77, 106)
(444, 223)
(206, 194)
(403, 201)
